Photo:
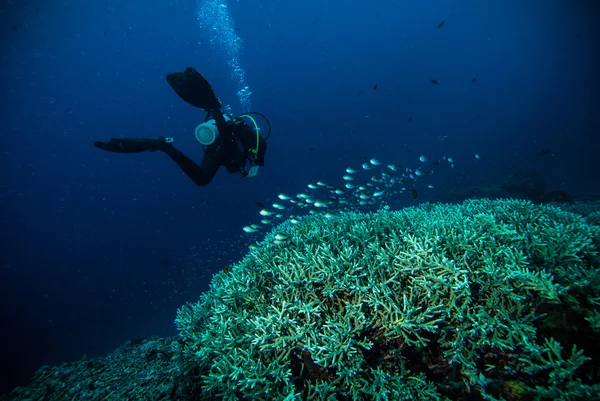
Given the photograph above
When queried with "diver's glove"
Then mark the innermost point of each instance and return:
(134, 145)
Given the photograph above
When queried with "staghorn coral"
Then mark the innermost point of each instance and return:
(140, 370)
(433, 302)
(590, 210)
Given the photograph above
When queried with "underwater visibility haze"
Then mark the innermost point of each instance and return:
(426, 224)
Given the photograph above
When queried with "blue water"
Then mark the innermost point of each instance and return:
(98, 248)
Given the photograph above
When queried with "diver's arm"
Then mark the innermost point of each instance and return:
(201, 175)
(248, 137)
(262, 150)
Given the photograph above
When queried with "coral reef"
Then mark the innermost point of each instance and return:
(142, 369)
(487, 300)
(434, 302)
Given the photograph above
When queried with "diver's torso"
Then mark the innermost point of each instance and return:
(234, 158)
(229, 151)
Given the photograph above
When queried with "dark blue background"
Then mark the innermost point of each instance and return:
(86, 235)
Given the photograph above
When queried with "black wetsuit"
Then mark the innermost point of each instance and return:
(234, 151)
(235, 147)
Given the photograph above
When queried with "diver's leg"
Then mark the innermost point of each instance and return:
(133, 145)
(200, 175)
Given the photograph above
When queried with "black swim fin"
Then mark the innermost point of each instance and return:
(192, 87)
(133, 145)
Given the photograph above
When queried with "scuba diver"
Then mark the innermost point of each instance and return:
(227, 142)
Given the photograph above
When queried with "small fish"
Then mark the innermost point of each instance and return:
(350, 186)
(414, 194)
(284, 197)
(312, 186)
(430, 186)
(419, 171)
(378, 193)
(278, 206)
(435, 82)
(350, 170)
(265, 212)
(281, 237)
(249, 229)
(450, 160)
(423, 158)
(265, 221)
(477, 156)
(544, 152)
(320, 204)
(375, 87)
(375, 162)
(392, 167)
(441, 24)
(366, 166)
(473, 80)
(348, 177)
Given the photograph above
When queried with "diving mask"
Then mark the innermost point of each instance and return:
(252, 171)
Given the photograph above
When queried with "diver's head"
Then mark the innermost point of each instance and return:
(250, 168)
(252, 171)
(206, 133)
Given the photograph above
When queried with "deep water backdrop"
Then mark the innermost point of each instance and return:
(99, 248)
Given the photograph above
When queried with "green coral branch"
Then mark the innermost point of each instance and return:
(363, 292)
